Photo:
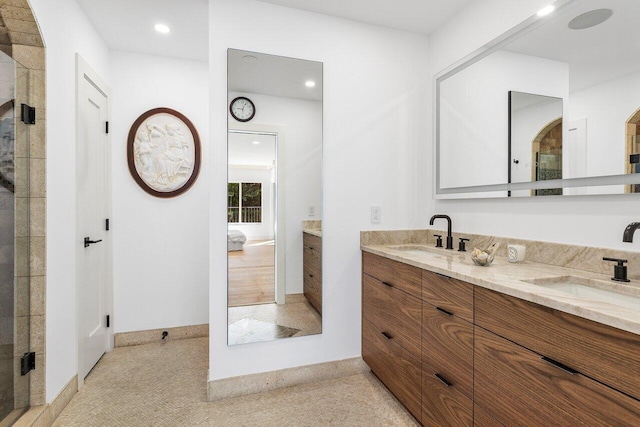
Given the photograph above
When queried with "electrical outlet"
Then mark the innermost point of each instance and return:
(376, 214)
(311, 211)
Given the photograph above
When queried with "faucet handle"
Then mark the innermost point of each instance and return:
(620, 270)
(462, 244)
(438, 240)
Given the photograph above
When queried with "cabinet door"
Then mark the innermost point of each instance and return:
(518, 387)
(449, 294)
(396, 274)
(397, 368)
(482, 419)
(394, 312)
(607, 354)
(442, 403)
(447, 345)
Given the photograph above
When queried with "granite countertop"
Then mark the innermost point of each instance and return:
(313, 232)
(509, 278)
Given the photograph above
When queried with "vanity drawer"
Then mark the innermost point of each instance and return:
(607, 354)
(402, 276)
(312, 242)
(519, 388)
(397, 368)
(442, 403)
(394, 312)
(482, 419)
(312, 262)
(312, 289)
(447, 345)
(449, 294)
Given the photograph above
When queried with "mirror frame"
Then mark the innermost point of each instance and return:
(504, 190)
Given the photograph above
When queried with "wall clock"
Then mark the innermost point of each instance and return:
(242, 109)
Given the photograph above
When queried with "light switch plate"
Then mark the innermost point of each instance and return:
(376, 214)
(311, 211)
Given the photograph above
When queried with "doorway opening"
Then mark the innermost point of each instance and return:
(546, 151)
(632, 163)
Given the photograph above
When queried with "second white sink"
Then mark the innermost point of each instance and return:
(593, 290)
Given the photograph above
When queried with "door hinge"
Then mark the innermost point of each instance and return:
(106, 224)
(108, 321)
(28, 114)
(106, 127)
(27, 363)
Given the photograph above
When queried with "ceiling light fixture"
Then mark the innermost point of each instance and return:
(310, 83)
(590, 19)
(546, 10)
(256, 142)
(162, 28)
(249, 59)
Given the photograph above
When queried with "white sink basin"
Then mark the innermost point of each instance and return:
(417, 250)
(593, 290)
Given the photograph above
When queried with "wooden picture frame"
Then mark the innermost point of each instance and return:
(163, 152)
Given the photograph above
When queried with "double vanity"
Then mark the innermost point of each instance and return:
(511, 344)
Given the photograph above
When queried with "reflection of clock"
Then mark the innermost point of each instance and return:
(242, 109)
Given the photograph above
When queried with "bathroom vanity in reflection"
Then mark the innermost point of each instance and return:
(486, 358)
(312, 265)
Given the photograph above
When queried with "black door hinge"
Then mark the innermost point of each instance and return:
(28, 114)
(27, 363)
(108, 321)
(106, 224)
(106, 127)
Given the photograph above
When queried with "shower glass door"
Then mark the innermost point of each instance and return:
(14, 239)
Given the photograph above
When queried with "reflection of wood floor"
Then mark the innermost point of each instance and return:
(252, 274)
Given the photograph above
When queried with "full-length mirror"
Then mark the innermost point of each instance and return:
(274, 203)
(571, 67)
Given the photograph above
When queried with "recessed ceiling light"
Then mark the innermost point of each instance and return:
(162, 28)
(310, 83)
(590, 19)
(249, 59)
(546, 10)
(256, 142)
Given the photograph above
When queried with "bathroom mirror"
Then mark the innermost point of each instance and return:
(578, 55)
(274, 204)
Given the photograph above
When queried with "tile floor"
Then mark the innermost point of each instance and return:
(164, 384)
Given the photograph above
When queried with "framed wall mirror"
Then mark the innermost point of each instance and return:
(574, 60)
(274, 203)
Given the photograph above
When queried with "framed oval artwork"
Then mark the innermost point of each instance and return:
(163, 152)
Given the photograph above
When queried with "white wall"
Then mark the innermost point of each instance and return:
(300, 124)
(376, 122)
(583, 220)
(65, 31)
(149, 232)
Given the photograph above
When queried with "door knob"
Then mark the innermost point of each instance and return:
(88, 241)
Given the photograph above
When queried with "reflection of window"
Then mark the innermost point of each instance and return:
(244, 202)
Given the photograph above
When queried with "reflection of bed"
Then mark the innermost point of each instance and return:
(235, 240)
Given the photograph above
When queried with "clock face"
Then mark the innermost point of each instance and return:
(242, 109)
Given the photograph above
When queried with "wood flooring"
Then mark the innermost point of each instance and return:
(252, 274)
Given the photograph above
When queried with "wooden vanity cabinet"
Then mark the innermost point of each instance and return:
(312, 270)
(447, 351)
(391, 319)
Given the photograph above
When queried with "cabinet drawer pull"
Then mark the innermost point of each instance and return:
(448, 313)
(310, 275)
(387, 335)
(387, 284)
(559, 365)
(443, 380)
(442, 275)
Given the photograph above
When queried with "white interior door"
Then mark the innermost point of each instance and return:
(92, 267)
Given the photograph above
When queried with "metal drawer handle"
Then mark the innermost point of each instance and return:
(443, 380)
(388, 285)
(559, 365)
(442, 275)
(310, 275)
(386, 335)
(448, 313)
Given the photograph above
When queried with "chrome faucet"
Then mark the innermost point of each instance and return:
(449, 236)
(627, 236)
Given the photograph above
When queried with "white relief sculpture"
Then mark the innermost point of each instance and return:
(164, 153)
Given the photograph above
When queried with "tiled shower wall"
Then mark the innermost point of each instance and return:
(20, 38)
